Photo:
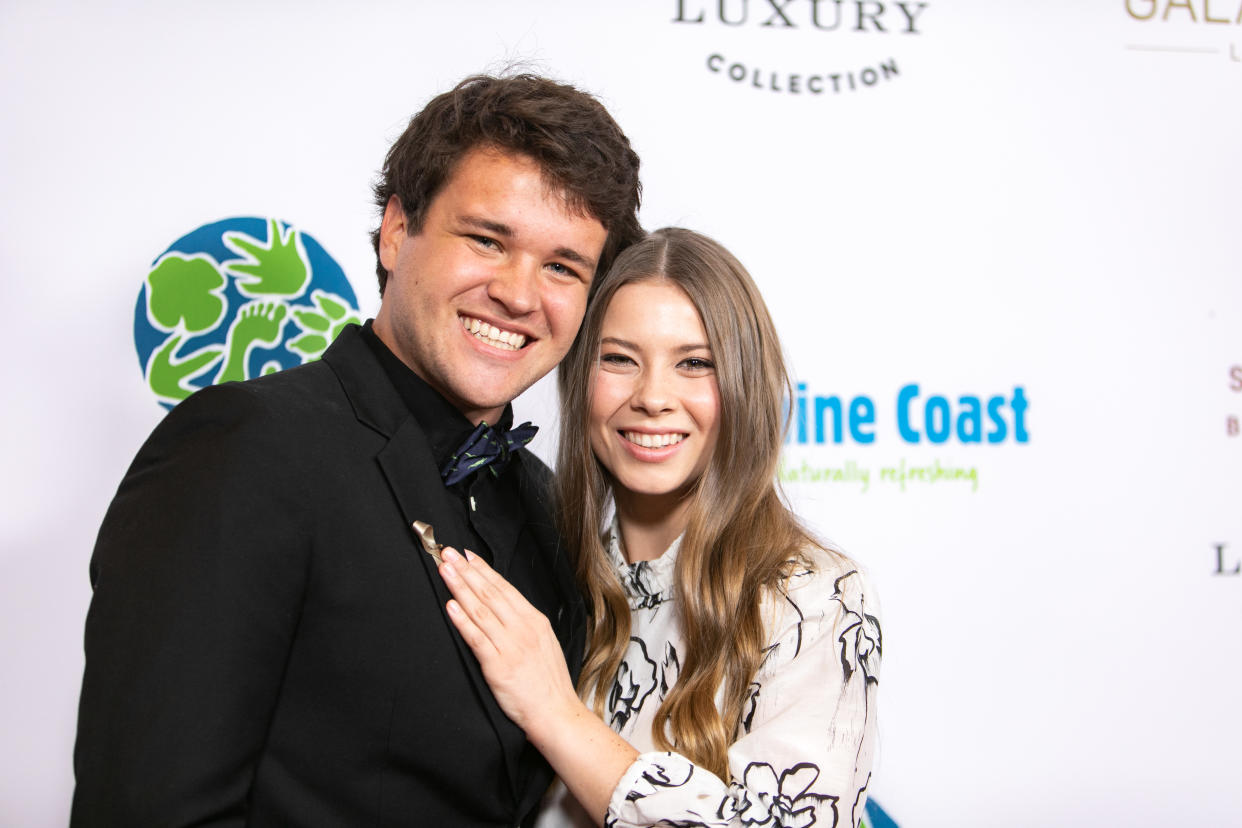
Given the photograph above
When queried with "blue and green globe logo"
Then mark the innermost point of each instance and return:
(237, 299)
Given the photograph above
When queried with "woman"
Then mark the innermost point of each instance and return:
(733, 657)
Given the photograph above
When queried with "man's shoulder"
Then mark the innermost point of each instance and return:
(275, 416)
(304, 386)
(300, 389)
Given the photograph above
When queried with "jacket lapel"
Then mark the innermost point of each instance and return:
(407, 463)
(408, 466)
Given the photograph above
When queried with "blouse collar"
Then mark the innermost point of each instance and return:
(646, 583)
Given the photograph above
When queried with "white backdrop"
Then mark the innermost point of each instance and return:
(1035, 195)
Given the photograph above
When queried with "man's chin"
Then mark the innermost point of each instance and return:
(487, 406)
(483, 385)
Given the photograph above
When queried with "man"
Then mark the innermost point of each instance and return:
(267, 642)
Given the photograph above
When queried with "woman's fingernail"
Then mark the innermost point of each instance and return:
(448, 553)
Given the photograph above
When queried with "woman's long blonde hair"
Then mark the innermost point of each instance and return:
(740, 538)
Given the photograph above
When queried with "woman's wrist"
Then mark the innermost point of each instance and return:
(585, 753)
(555, 718)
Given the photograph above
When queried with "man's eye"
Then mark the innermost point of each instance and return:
(484, 241)
(562, 270)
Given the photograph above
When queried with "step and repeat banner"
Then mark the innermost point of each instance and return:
(1002, 241)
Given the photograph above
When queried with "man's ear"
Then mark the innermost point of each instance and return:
(392, 233)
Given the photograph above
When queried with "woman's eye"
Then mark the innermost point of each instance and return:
(615, 359)
(697, 364)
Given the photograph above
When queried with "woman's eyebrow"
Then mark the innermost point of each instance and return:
(625, 343)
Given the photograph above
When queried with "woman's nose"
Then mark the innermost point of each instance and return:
(652, 393)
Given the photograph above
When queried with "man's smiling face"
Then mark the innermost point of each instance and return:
(487, 296)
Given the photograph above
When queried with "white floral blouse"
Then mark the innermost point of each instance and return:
(803, 751)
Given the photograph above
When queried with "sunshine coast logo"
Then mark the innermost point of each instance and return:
(237, 299)
(1187, 27)
(919, 417)
(812, 48)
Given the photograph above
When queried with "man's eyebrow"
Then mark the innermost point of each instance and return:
(504, 231)
(577, 258)
(496, 228)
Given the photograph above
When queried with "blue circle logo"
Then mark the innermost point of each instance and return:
(236, 299)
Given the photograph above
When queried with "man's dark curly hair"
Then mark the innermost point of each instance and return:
(567, 132)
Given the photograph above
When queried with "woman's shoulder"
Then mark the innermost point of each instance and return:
(822, 577)
(826, 593)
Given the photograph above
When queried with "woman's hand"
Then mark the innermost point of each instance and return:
(514, 643)
(524, 666)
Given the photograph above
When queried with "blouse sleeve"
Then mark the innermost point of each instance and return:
(804, 749)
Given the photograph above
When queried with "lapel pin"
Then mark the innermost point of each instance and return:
(427, 535)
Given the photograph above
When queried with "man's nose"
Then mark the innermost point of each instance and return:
(516, 287)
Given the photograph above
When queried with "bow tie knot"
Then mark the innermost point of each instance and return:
(486, 447)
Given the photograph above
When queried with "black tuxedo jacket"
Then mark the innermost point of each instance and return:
(267, 642)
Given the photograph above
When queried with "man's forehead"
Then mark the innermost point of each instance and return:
(554, 188)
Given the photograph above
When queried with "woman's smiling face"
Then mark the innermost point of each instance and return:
(655, 404)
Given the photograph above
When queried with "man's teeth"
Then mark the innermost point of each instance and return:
(653, 440)
(497, 338)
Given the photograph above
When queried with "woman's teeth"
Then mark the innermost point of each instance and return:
(652, 440)
(497, 338)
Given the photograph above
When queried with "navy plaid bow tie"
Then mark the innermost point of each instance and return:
(486, 446)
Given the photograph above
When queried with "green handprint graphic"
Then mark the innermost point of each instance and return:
(257, 322)
(276, 269)
(187, 293)
(320, 327)
(167, 375)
